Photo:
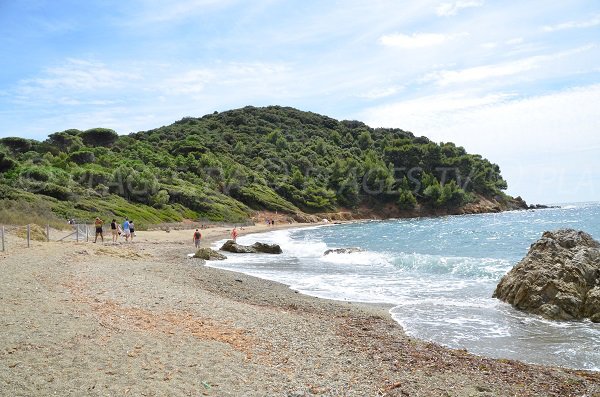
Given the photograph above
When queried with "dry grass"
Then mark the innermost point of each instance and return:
(21, 212)
(36, 232)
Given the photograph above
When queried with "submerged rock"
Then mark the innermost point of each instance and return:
(232, 246)
(348, 250)
(559, 278)
(209, 254)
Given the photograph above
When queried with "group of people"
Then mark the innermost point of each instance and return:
(126, 230)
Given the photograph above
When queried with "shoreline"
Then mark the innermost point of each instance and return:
(141, 319)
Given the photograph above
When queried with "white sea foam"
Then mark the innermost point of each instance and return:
(362, 258)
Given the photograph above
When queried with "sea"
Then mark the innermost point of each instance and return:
(438, 275)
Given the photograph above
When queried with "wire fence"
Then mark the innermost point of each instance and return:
(28, 234)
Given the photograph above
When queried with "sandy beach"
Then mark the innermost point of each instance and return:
(142, 319)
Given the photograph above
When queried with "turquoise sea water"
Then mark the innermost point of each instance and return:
(439, 274)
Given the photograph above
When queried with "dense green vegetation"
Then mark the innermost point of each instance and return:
(223, 166)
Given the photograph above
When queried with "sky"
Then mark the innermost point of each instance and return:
(515, 81)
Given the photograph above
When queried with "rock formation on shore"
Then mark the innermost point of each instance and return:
(559, 278)
(232, 246)
(209, 254)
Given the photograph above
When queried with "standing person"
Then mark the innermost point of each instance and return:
(197, 237)
(126, 230)
(98, 224)
(114, 231)
(234, 234)
(131, 229)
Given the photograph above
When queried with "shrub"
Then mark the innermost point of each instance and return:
(6, 163)
(407, 200)
(20, 145)
(36, 174)
(82, 157)
(160, 199)
(99, 137)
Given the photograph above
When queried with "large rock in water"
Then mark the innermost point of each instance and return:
(559, 278)
(232, 246)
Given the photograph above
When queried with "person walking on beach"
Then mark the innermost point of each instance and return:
(114, 231)
(126, 230)
(131, 230)
(234, 234)
(197, 237)
(98, 224)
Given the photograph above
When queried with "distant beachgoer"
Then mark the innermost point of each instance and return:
(98, 224)
(126, 229)
(114, 231)
(272, 222)
(131, 229)
(197, 237)
(234, 234)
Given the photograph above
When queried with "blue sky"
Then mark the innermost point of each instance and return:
(516, 81)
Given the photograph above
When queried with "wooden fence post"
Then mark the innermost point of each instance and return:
(28, 235)
(3, 248)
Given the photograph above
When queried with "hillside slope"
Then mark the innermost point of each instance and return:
(227, 166)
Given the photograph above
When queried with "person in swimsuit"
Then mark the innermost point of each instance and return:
(98, 224)
(114, 231)
(234, 234)
(131, 230)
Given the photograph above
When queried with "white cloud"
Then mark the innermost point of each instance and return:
(595, 21)
(478, 73)
(489, 46)
(156, 11)
(75, 75)
(516, 40)
(423, 112)
(449, 9)
(417, 40)
(378, 93)
(190, 82)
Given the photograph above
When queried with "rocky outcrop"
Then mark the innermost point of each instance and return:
(348, 250)
(267, 248)
(542, 206)
(232, 246)
(559, 278)
(209, 254)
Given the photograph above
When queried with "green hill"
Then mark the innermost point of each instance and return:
(226, 166)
